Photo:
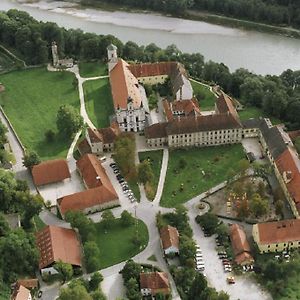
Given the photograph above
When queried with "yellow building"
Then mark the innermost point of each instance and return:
(277, 236)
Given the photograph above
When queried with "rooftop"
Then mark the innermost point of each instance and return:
(20, 293)
(238, 240)
(169, 237)
(156, 281)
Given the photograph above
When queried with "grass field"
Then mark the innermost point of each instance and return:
(208, 103)
(116, 245)
(92, 69)
(255, 112)
(204, 168)
(31, 101)
(98, 101)
(155, 158)
(6, 62)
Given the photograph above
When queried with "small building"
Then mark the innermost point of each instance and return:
(50, 171)
(277, 236)
(154, 283)
(169, 237)
(60, 63)
(240, 246)
(57, 244)
(20, 293)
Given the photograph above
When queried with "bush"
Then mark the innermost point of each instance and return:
(50, 135)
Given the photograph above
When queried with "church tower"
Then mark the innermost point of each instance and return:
(112, 56)
(54, 54)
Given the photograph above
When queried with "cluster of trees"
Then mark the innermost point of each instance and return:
(84, 289)
(18, 253)
(146, 177)
(4, 156)
(131, 276)
(278, 96)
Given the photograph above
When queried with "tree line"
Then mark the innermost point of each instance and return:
(278, 96)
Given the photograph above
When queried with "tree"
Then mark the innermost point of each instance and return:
(222, 232)
(91, 255)
(133, 291)
(258, 205)
(145, 173)
(4, 227)
(107, 219)
(131, 270)
(74, 292)
(208, 221)
(187, 249)
(50, 135)
(279, 207)
(65, 270)
(126, 218)
(98, 295)
(95, 280)
(30, 159)
(68, 121)
(3, 131)
(198, 286)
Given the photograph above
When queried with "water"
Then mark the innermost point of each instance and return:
(261, 53)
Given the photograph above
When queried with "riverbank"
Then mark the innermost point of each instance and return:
(196, 16)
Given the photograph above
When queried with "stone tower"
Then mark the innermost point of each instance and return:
(54, 54)
(112, 56)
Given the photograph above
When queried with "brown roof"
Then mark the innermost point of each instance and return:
(169, 237)
(50, 171)
(288, 165)
(93, 173)
(239, 241)
(124, 85)
(157, 130)
(84, 147)
(57, 243)
(244, 258)
(28, 283)
(20, 293)
(94, 135)
(156, 281)
(153, 69)
(224, 105)
(279, 232)
(85, 199)
(294, 134)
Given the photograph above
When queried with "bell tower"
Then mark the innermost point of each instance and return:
(112, 56)
(54, 54)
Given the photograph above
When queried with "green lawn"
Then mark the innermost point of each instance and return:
(92, 69)
(116, 245)
(155, 158)
(208, 102)
(31, 101)
(213, 161)
(255, 112)
(6, 62)
(98, 101)
(133, 185)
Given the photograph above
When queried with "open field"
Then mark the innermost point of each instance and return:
(208, 100)
(116, 245)
(196, 170)
(98, 101)
(31, 101)
(155, 159)
(92, 69)
(255, 112)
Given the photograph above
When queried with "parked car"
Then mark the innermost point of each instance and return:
(112, 164)
(230, 280)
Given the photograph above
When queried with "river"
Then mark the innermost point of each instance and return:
(259, 52)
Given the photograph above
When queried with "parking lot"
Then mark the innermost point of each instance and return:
(245, 288)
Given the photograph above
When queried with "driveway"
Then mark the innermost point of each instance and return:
(245, 287)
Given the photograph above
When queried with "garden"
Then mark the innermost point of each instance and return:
(31, 101)
(204, 96)
(92, 69)
(196, 170)
(98, 101)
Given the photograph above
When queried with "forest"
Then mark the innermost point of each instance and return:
(278, 96)
(274, 12)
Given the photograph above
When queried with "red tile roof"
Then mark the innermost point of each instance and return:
(239, 243)
(86, 199)
(169, 237)
(279, 232)
(84, 147)
(225, 106)
(93, 173)
(153, 69)
(29, 283)
(20, 293)
(156, 281)
(50, 171)
(288, 165)
(124, 85)
(157, 130)
(57, 243)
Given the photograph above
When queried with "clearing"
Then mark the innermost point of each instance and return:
(92, 69)
(196, 170)
(204, 96)
(98, 101)
(31, 101)
(255, 112)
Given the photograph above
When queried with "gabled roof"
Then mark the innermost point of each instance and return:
(157, 130)
(86, 199)
(169, 237)
(93, 173)
(57, 243)
(111, 47)
(124, 85)
(238, 239)
(279, 232)
(224, 105)
(28, 283)
(20, 293)
(153, 69)
(156, 281)
(50, 171)
(288, 165)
